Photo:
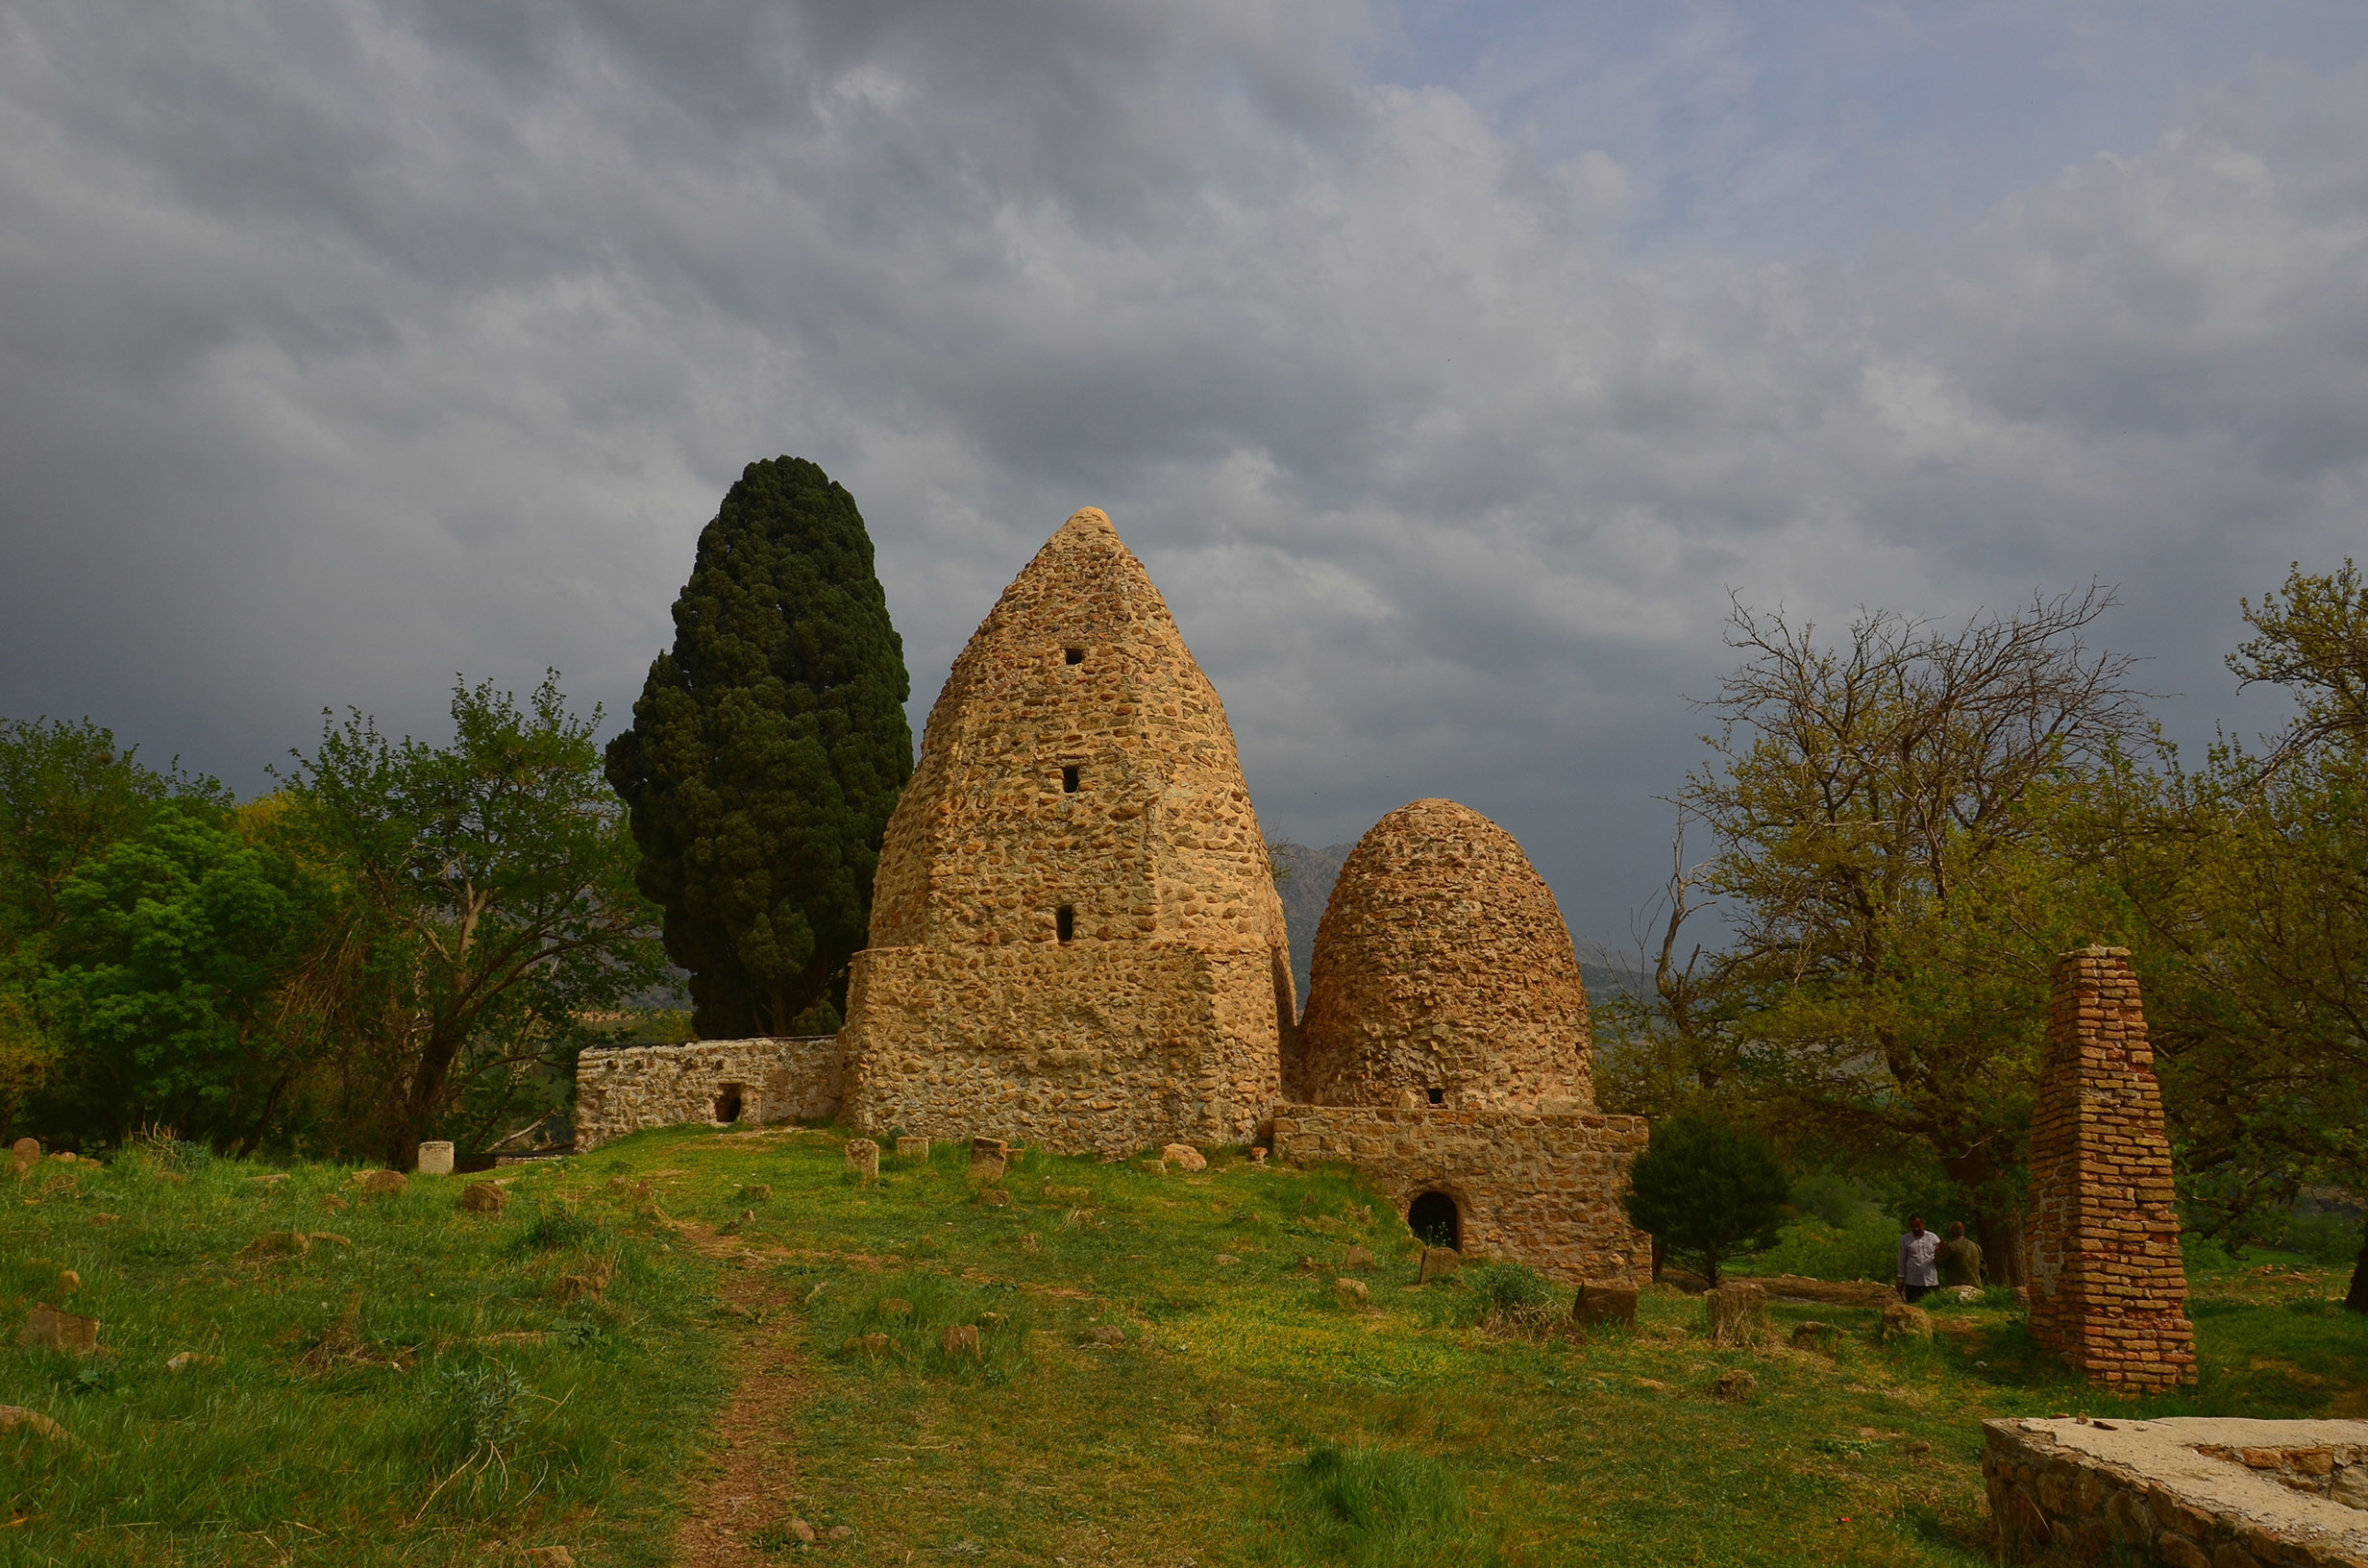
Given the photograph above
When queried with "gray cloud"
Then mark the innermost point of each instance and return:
(344, 347)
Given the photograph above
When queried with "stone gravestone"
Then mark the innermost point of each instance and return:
(988, 1157)
(2107, 1290)
(436, 1159)
(863, 1160)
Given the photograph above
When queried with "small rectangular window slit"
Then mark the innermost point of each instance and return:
(1439, 1096)
(1065, 923)
(1074, 655)
(1069, 781)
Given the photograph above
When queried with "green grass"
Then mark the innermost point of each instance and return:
(1244, 1413)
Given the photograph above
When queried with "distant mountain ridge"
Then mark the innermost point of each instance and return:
(1304, 881)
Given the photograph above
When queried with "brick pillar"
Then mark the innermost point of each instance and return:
(2107, 1290)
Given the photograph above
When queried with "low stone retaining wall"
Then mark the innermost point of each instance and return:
(1542, 1190)
(625, 1088)
(2185, 1491)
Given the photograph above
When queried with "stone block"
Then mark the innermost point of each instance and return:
(863, 1160)
(483, 1198)
(1737, 1312)
(382, 1183)
(49, 1329)
(989, 1158)
(436, 1159)
(1438, 1263)
(1600, 1302)
(913, 1148)
(1184, 1156)
(1902, 1321)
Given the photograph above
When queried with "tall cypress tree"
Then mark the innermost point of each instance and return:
(766, 751)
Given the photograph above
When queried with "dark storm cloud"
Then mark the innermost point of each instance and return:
(343, 347)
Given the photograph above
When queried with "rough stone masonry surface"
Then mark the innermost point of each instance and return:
(2186, 1491)
(1442, 968)
(624, 1089)
(1075, 939)
(2107, 1289)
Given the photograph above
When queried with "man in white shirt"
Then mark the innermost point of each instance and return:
(1918, 1251)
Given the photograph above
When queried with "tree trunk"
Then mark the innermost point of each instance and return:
(1661, 1256)
(2357, 1299)
(2005, 1252)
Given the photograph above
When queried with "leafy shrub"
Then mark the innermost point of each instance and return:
(2330, 1238)
(555, 1226)
(1507, 1287)
(1816, 1250)
(1707, 1189)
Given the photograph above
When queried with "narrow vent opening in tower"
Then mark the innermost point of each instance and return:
(1439, 1096)
(1069, 781)
(1065, 923)
(1074, 655)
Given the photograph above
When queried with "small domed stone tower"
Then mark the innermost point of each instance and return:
(1075, 938)
(1443, 975)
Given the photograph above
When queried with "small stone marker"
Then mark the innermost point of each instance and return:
(182, 1360)
(436, 1159)
(1258, 1156)
(483, 1198)
(48, 1327)
(1355, 1258)
(1109, 1334)
(1184, 1156)
(1438, 1264)
(1813, 1336)
(69, 1282)
(912, 1148)
(27, 1151)
(278, 1244)
(863, 1160)
(1901, 1321)
(802, 1531)
(1610, 1302)
(989, 1156)
(1351, 1292)
(961, 1339)
(1733, 1386)
(1738, 1313)
(383, 1184)
(13, 1416)
(104, 1220)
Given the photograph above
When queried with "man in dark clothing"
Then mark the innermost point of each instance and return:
(1961, 1257)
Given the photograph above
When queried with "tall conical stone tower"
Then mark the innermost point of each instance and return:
(1075, 939)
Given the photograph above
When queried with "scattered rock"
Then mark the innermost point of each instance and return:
(1438, 1264)
(989, 1156)
(1184, 1156)
(182, 1360)
(483, 1198)
(874, 1345)
(1738, 1313)
(104, 1220)
(1815, 1335)
(1609, 1302)
(1258, 1156)
(1967, 1294)
(839, 1532)
(762, 1191)
(1901, 1321)
(436, 1159)
(1108, 1333)
(13, 1418)
(278, 1244)
(334, 1204)
(389, 1183)
(1309, 1265)
(1351, 1292)
(961, 1339)
(26, 1151)
(267, 1183)
(1355, 1259)
(803, 1530)
(2350, 1487)
(1919, 1446)
(912, 1148)
(863, 1160)
(1733, 1386)
(995, 1197)
(48, 1327)
(1226, 1259)
(69, 1282)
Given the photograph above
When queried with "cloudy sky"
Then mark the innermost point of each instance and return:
(1448, 363)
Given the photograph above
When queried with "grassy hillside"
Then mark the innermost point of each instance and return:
(1159, 1378)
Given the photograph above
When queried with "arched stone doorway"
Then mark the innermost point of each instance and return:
(1435, 1218)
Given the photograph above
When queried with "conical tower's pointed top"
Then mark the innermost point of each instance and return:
(1088, 520)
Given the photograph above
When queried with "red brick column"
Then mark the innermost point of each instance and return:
(2107, 1290)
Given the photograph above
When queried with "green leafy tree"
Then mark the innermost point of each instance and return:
(487, 899)
(1707, 1189)
(1884, 812)
(172, 951)
(766, 753)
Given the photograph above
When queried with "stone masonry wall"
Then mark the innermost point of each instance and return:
(1077, 760)
(2181, 1492)
(1073, 1047)
(1542, 1190)
(1443, 965)
(626, 1089)
(2107, 1289)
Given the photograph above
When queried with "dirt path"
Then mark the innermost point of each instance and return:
(757, 1461)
